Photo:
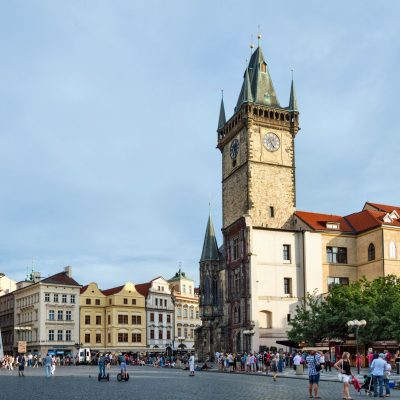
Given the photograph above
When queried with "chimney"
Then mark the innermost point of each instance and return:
(68, 271)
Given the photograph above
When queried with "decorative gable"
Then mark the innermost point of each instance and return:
(333, 225)
(387, 218)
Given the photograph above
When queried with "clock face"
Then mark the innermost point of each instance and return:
(271, 141)
(234, 150)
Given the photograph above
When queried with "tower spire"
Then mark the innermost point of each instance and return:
(210, 246)
(293, 99)
(222, 118)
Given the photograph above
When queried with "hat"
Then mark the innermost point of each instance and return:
(381, 355)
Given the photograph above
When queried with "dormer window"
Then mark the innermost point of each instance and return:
(333, 225)
(387, 218)
(394, 215)
(264, 67)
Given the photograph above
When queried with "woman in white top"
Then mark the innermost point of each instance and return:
(191, 364)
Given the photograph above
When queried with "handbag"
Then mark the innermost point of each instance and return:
(318, 366)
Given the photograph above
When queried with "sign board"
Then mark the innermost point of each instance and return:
(21, 346)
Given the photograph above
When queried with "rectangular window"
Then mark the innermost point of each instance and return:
(122, 319)
(197, 314)
(72, 299)
(168, 318)
(51, 335)
(133, 302)
(51, 315)
(136, 337)
(125, 301)
(151, 333)
(236, 281)
(68, 315)
(160, 318)
(98, 337)
(191, 313)
(288, 317)
(179, 312)
(235, 248)
(287, 285)
(88, 301)
(136, 320)
(168, 335)
(60, 335)
(192, 333)
(165, 303)
(334, 280)
(87, 319)
(179, 332)
(123, 337)
(87, 337)
(97, 301)
(160, 335)
(336, 255)
(47, 297)
(55, 298)
(109, 319)
(185, 332)
(271, 212)
(98, 320)
(109, 338)
(156, 302)
(68, 337)
(151, 317)
(60, 315)
(286, 252)
(64, 298)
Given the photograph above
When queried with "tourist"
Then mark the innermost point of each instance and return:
(47, 365)
(328, 364)
(274, 366)
(386, 376)
(21, 364)
(53, 365)
(378, 367)
(297, 360)
(314, 366)
(191, 364)
(345, 375)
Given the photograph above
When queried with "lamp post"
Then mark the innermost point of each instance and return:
(357, 324)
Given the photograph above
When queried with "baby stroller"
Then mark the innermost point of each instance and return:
(368, 385)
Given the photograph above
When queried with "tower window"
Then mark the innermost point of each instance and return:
(287, 285)
(371, 252)
(286, 252)
(271, 212)
(235, 248)
(263, 67)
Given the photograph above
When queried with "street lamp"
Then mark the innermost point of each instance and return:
(357, 324)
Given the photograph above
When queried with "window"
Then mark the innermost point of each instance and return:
(72, 299)
(136, 320)
(98, 320)
(286, 252)
(151, 317)
(191, 313)
(192, 333)
(47, 297)
(125, 301)
(60, 315)
(51, 335)
(190, 290)
(151, 333)
(288, 317)
(197, 314)
(185, 332)
(136, 337)
(123, 337)
(235, 248)
(336, 255)
(68, 337)
(168, 318)
(60, 335)
(371, 252)
(165, 303)
(109, 302)
(51, 315)
(185, 313)
(160, 318)
(156, 300)
(184, 288)
(271, 212)
(287, 285)
(160, 335)
(55, 298)
(179, 332)
(98, 337)
(336, 281)
(88, 301)
(392, 250)
(168, 335)
(68, 315)
(87, 319)
(97, 302)
(109, 319)
(236, 281)
(133, 302)
(64, 298)
(122, 319)
(236, 315)
(109, 337)
(179, 312)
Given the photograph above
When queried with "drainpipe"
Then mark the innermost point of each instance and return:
(304, 265)
(383, 254)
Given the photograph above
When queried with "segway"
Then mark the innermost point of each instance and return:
(121, 378)
(101, 377)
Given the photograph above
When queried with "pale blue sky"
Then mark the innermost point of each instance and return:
(108, 112)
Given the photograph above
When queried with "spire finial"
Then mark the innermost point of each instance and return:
(292, 72)
(222, 94)
(258, 36)
(251, 45)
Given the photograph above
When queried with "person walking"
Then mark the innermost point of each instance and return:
(274, 366)
(314, 367)
(378, 367)
(345, 375)
(21, 364)
(328, 364)
(191, 364)
(47, 365)
(386, 376)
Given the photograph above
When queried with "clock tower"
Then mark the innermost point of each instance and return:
(258, 157)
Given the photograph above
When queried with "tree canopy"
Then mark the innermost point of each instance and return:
(324, 317)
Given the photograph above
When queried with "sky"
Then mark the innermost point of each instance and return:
(109, 110)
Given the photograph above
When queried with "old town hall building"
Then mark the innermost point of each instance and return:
(272, 255)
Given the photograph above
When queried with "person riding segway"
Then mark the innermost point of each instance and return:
(102, 369)
(123, 375)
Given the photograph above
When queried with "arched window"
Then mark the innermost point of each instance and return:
(215, 291)
(235, 315)
(392, 250)
(371, 252)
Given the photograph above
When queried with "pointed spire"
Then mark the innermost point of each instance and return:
(222, 118)
(247, 95)
(293, 99)
(210, 247)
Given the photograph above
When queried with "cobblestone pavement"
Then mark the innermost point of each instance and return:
(152, 383)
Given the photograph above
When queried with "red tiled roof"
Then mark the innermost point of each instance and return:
(318, 221)
(365, 220)
(84, 288)
(382, 207)
(61, 279)
(109, 292)
(143, 288)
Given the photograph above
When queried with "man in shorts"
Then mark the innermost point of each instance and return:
(122, 365)
(313, 362)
